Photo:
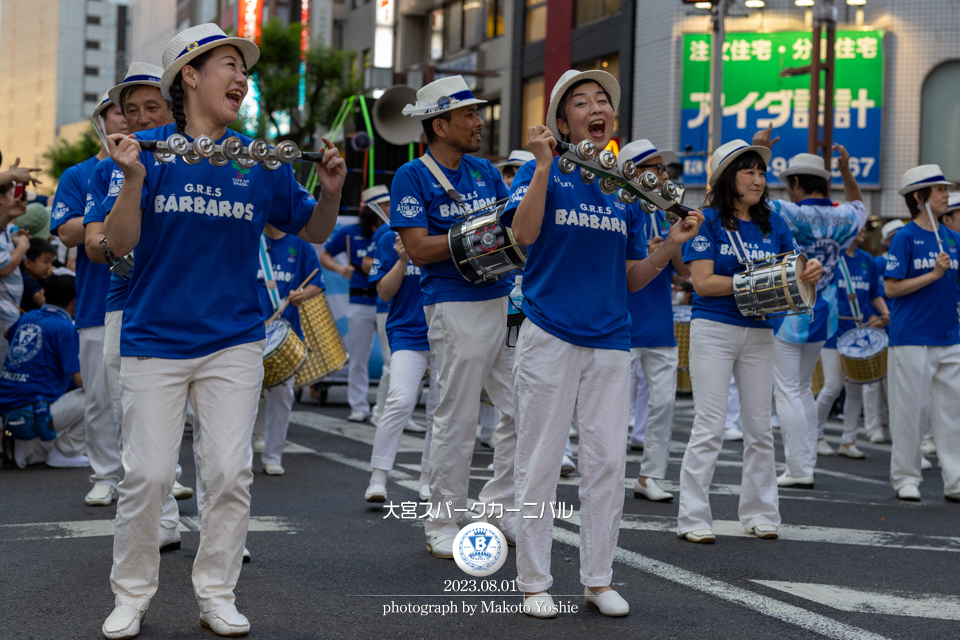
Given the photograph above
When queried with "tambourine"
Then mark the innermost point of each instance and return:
(231, 149)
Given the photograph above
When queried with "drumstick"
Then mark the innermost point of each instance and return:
(936, 227)
(287, 300)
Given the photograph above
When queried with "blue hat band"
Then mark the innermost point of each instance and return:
(199, 43)
(926, 180)
(647, 154)
(141, 78)
(453, 98)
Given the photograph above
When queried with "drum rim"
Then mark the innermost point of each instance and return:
(866, 329)
(808, 292)
(289, 330)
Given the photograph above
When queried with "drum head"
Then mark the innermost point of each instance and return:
(682, 313)
(808, 292)
(862, 343)
(277, 332)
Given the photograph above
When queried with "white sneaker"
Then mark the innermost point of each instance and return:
(651, 491)
(225, 620)
(927, 446)
(802, 482)
(258, 444)
(375, 493)
(877, 437)
(101, 495)
(57, 460)
(573, 433)
(169, 538)
(567, 467)
(375, 421)
(181, 492)
(824, 448)
(851, 451)
(540, 605)
(358, 416)
(909, 492)
(702, 536)
(732, 435)
(441, 546)
(609, 602)
(274, 469)
(490, 467)
(124, 622)
(413, 427)
(925, 464)
(766, 531)
(424, 493)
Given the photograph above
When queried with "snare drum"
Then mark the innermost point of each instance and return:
(483, 249)
(283, 354)
(863, 354)
(326, 352)
(773, 287)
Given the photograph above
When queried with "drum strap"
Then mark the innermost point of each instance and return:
(851, 292)
(437, 172)
(267, 267)
(736, 243)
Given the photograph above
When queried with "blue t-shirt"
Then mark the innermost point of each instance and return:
(866, 284)
(927, 316)
(651, 308)
(575, 279)
(30, 288)
(382, 307)
(292, 259)
(420, 202)
(360, 248)
(44, 353)
(712, 244)
(822, 231)
(104, 188)
(406, 322)
(72, 201)
(193, 290)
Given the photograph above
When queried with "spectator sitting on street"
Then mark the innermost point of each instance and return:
(44, 357)
(36, 267)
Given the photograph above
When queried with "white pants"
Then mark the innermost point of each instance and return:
(273, 420)
(383, 387)
(66, 413)
(875, 413)
(408, 369)
(362, 320)
(793, 366)
(487, 418)
(223, 387)
(556, 380)
(468, 340)
(733, 407)
(833, 381)
(103, 447)
(747, 353)
(918, 376)
(639, 411)
(170, 516)
(659, 367)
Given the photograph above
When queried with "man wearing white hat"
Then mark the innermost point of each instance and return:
(66, 221)
(653, 346)
(923, 360)
(516, 159)
(823, 231)
(467, 323)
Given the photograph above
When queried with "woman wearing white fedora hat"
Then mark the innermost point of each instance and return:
(739, 226)
(586, 249)
(188, 333)
(923, 362)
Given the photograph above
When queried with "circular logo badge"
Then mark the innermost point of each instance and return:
(480, 549)
(701, 244)
(443, 102)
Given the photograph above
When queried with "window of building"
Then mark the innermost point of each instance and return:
(91, 71)
(533, 107)
(93, 44)
(590, 10)
(436, 34)
(610, 64)
(473, 31)
(93, 19)
(939, 119)
(494, 16)
(536, 26)
(490, 140)
(91, 97)
(453, 27)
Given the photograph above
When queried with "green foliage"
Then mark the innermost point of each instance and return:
(330, 78)
(64, 155)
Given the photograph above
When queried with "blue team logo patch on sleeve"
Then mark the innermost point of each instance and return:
(517, 195)
(27, 344)
(892, 262)
(116, 181)
(700, 244)
(59, 211)
(410, 207)
(88, 204)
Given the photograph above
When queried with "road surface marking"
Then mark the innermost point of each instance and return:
(892, 603)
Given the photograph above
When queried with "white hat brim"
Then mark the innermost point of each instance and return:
(805, 171)
(923, 185)
(764, 152)
(666, 157)
(249, 51)
(417, 113)
(117, 90)
(604, 79)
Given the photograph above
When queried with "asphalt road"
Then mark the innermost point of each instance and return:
(852, 561)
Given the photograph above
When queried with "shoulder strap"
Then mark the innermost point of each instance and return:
(851, 292)
(736, 243)
(434, 168)
(268, 276)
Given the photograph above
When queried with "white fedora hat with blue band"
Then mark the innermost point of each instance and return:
(954, 202)
(729, 152)
(640, 152)
(139, 73)
(926, 175)
(805, 164)
(441, 96)
(103, 104)
(190, 43)
(376, 193)
(517, 158)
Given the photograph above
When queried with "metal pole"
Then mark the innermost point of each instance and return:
(813, 127)
(830, 20)
(716, 79)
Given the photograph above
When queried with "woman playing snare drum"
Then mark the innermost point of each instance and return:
(738, 226)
